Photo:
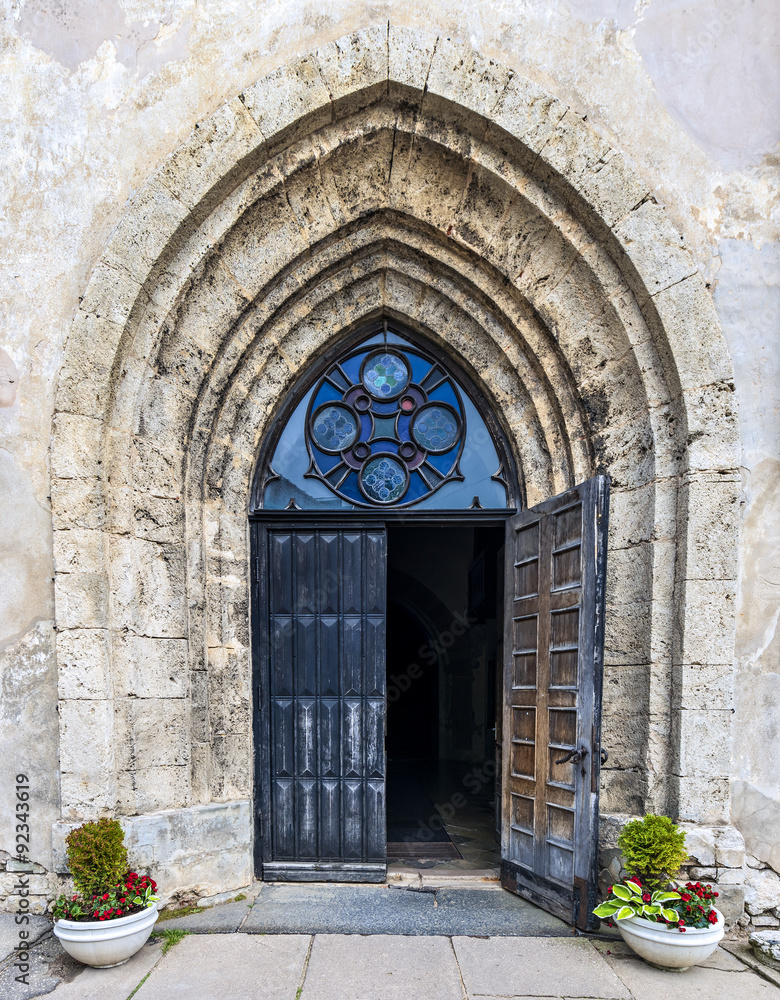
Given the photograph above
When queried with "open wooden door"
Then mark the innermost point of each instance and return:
(555, 559)
(320, 702)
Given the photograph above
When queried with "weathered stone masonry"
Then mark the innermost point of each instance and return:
(387, 173)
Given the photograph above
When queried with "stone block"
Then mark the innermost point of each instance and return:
(704, 686)
(655, 248)
(149, 594)
(712, 504)
(229, 674)
(231, 766)
(764, 920)
(688, 315)
(162, 470)
(228, 137)
(731, 903)
(287, 94)
(709, 622)
(703, 799)
(150, 732)
(149, 789)
(460, 75)
(146, 227)
(757, 816)
(81, 600)
(705, 743)
(729, 848)
(528, 112)
(354, 69)
(149, 667)
(76, 449)
(86, 737)
(762, 890)
(705, 874)
(88, 794)
(766, 948)
(78, 551)
(164, 412)
(409, 58)
(77, 503)
(82, 664)
(157, 519)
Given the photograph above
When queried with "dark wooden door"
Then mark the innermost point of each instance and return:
(321, 702)
(553, 665)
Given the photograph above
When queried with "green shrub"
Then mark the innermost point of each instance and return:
(653, 849)
(97, 856)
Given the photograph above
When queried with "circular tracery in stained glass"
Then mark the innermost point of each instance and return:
(384, 479)
(385, 375)
(334, 428)
(436, 428)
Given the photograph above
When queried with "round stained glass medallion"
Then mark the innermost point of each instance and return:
(385, 375)
(384, 479)
(334, 428)
(436, 428)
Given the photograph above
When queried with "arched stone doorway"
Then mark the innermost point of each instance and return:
(401, 175)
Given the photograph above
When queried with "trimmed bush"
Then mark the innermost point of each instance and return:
(97, 856)
(654, 849)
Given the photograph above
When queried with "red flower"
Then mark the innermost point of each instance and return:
(682, 930)
(105, 897)
(608, 890)
(646, 897)
(685, 897)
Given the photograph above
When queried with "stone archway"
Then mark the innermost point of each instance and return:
(386, 173)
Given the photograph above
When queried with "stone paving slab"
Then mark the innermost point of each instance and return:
(527, 967)
(224, 918)
(9, 932)
(290, 909)
(229, 967)
(110, 984)
(382, 968)
(710, 981)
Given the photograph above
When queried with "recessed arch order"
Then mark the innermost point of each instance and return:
(401, 175)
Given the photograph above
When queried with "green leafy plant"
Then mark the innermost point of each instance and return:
(654, 849)
(688, 907)
(170, 937)
(630, 899)
(97, 856)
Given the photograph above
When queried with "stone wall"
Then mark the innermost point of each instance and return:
(393, 171)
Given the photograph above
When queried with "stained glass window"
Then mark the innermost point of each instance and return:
(387, 425)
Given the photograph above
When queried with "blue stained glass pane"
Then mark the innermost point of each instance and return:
(417, 487)
(326, 394)
(386, 375)
(384, 445)
(435, 428)
(444, 394)
(384, 409)
(443, 462)
(384, 427)
(384, 480)
(403, 428)
(325, 462)
(334, 427)
(351, 367)
(420, 367)
(365, 427)
(350, 488)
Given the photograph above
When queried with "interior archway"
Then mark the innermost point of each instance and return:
(411, 178)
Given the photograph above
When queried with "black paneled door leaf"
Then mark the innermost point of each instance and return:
(553, 664)
(321, 651)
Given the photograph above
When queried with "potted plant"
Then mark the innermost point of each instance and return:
(671, 926)
(112, 913)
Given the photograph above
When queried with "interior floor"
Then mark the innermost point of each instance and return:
(433, 803)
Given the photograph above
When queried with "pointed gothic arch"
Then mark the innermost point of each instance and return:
(389, 173)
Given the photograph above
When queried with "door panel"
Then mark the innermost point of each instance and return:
(555, 559)
(321, 650)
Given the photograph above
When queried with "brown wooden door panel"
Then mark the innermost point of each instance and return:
(555, 558)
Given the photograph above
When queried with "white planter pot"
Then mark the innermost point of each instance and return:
(105, 943)
(666, 947)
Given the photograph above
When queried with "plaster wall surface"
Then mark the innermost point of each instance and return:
(97, 96)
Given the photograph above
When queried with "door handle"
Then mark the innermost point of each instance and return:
(604, 756)
(575, 756)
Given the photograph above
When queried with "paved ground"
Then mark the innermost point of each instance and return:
(215, 961)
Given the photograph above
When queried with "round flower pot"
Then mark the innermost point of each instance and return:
(665, 947)
(106, 943)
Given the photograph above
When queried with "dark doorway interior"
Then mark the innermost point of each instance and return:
(443, 647)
